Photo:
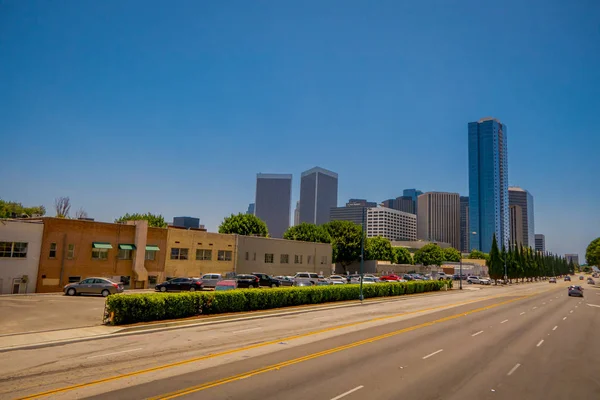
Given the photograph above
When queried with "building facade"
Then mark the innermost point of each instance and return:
(361, 203)
(20, 245)
(572, 258)
(273, 202)
(71, 250)
(438, 217)
(348, 213)
(297, 214)
(488, 184)
(516, 226)
(186, 222)
(318, 194)
(282, 257)
(402, 203)
(464, 224)
(540, 242)
(391, 224)
(413, 194)
(250, 209)
(522, 198)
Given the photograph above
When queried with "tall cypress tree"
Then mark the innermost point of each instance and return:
(495, 265)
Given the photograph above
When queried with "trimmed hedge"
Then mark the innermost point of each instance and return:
(145, 307)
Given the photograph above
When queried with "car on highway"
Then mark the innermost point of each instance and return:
(552, 280)
(247, 281)
(575, 291)
(590, 281)
(310, 277)
(102, 286)
(180, 284)
(226, 284)
(389, 278)
(567, 278)
(266, 280)
(285, 280)
(211, 280)
(580, 277)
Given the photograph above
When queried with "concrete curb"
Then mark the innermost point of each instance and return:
(168, 326)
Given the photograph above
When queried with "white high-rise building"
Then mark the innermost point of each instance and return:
(391, 224)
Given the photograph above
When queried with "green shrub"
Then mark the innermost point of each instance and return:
(133, 308)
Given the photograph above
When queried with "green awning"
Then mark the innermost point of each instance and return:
(100, 245)
(127, 246)
(152, 247)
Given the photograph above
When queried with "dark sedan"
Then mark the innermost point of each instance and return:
(266, 280)
(576, 291)
(180, 284)
(285, 280)
(247, 281)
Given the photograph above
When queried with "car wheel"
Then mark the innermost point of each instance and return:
(192, 289)
(163, 289)
(71, 292)
(273, 285)
(105, 293)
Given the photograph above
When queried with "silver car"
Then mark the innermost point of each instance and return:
(211, 280)
(102, 286)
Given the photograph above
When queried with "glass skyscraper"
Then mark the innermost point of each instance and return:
(488, 184)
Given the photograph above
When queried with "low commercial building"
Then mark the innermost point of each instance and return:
(192, 253)
(20, 244)
(282, 257)
(391, 224)
(74, 249)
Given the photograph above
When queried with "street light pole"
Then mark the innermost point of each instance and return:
(460, 274)
(362, 254)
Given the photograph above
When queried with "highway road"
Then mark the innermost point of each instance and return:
(527, 342)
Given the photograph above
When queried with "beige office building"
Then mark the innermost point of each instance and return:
(516, 226)
(438, 217)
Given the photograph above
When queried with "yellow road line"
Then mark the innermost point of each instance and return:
(251, 347)
(274, 367)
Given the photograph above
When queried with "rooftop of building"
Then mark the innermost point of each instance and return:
(260, 175)
(321, 171)
(484, 119)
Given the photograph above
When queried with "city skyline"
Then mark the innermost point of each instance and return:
(221, 101)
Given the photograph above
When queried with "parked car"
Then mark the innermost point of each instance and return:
(179, 284)
(485, 281)
(101, 286)
(303, 283)
(306, 277)
(567, 278)
(575, 291)
(267, 280)
(285, 280)
(408, 277)
(247, 281)
(389, 278)
(337, 280)
(443, 275)
(472, 279)
(368, 280)
(354, 278)
(226, 284)
(211, 280)
(552, 280)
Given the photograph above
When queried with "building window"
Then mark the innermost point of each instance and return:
(125, 254)
(298, 259)
(99, 254)
(52, 250)
(254, 257)
(309, 260)
(247, 256)
(284, 259)
(13, 249)
(179, 253)
(224, 255)
(203, 254)
(268, 258)
(150, 255)
(71, 252)
(74, 279)
(324, 260)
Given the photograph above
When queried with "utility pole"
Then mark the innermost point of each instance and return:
(362, 254)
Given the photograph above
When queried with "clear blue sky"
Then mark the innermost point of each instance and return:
(173, 107)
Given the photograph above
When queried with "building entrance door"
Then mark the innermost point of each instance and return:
(16, 287)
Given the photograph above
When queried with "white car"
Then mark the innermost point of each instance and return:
(337, 280)
(473, 279)
(485, 281)
(368, 280)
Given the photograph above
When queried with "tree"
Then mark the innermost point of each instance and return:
(430, 254)
(346, 237)
(379, 248)
(81, 213)
(244, 224)
(154, 220)
(62, 206)
(495, 261)
(307, 233)
(402, 256)
(451, 254)
(592, 253)
(478, 255)
(10, 209)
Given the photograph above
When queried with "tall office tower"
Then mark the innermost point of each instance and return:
(488, 184)
(297, 214)
(402, 203)
(414, 195)
(540, 242)
(438, 218)
(318, 194)
(572, 257)
(389, 203)
(250, 209)
(274, 202)
(522, 198)
(464, 224)
(391, 224)
(516, 226)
